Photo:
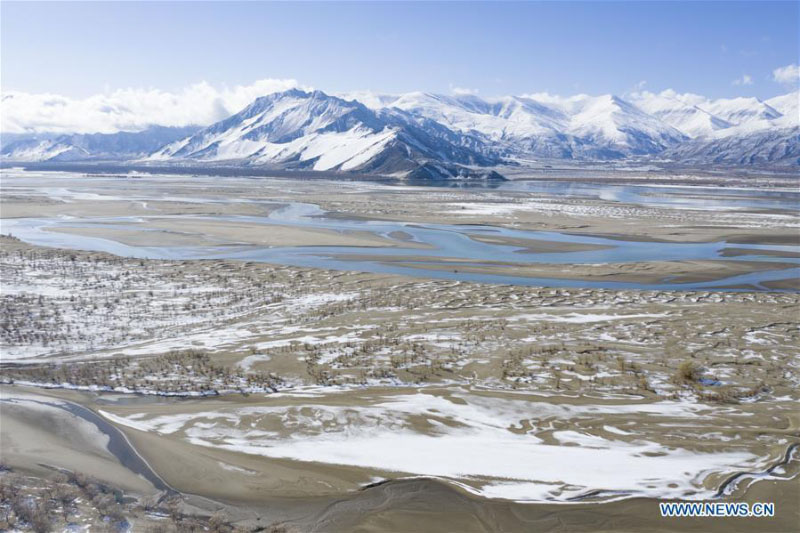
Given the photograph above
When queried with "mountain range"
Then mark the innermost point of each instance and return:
(123, 145)
(425, 135)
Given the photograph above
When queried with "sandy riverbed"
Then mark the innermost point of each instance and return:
(351, 401)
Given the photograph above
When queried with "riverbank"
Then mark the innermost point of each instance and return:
(257, 491)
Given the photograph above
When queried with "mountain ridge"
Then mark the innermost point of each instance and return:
(93, 146)
(430, 135)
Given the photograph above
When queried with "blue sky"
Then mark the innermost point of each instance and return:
(79, 49)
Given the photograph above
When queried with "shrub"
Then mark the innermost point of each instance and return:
(688, 372)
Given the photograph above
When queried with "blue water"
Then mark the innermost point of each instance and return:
(664, 196)
(444, 242)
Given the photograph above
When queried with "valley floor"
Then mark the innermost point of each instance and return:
(307, 399)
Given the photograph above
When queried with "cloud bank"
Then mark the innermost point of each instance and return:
(463, 91)
(203, 104)
(787, 74)
(129, 109)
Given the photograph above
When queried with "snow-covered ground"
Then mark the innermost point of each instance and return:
(457, 436)
(168, 323)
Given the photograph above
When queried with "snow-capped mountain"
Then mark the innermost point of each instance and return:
(95, 146)
(682, 112)
(618, 127)
(312, 130)
(788, 105)
(747, 113)
(581, 127)
(761, 147)
(699, 117)
(435, 136)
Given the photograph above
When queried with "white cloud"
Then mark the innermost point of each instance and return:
(546, 98)
(461, 91)
(746, 79)
(129, 109)
(689, 99)
(787, 74)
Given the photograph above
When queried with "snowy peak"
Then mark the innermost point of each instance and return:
(741, 111)
(313, 130)
(698, 117)
(277, 119)
(685, 116)
(789, 106)
(618, 122)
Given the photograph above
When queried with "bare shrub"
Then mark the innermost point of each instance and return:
(688, 372)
